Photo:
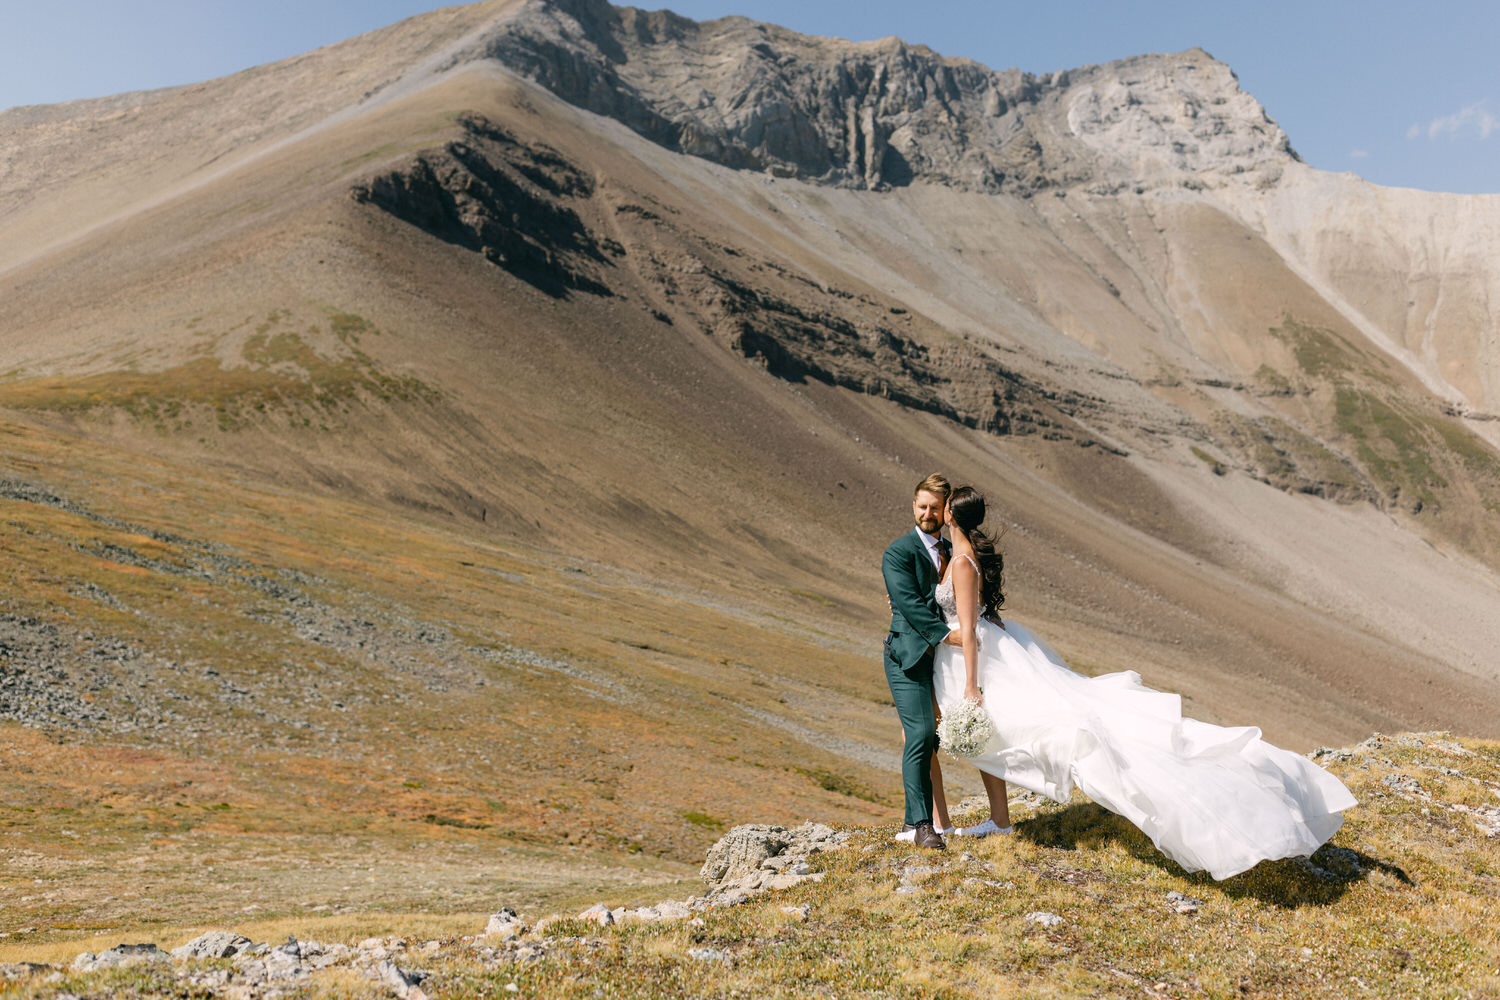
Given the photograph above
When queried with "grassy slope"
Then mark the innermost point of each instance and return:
(1402, 903)
(307, 706)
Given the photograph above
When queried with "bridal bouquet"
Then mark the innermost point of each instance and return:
(964, 730)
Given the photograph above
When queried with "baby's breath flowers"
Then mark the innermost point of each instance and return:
(964, 730)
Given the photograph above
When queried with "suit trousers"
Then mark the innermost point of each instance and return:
(911, 690)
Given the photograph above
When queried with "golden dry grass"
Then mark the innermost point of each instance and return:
(1402, 903)
(319, 708)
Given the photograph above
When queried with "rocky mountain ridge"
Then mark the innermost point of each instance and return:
(878, 114)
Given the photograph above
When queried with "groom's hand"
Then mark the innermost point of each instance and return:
(953, 639)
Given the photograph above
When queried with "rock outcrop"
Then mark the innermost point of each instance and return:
(756, 858)
(876, 114)
(501, 198)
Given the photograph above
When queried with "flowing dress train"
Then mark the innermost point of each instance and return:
(1212, 798)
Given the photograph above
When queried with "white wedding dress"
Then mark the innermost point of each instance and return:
(1211, 798)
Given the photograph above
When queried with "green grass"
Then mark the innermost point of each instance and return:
(282, 374)
(699, 818)
(1323, 354)
(1207, 459)
(1394, 445)
(1273, 379)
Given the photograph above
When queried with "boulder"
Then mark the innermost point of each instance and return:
(404, 983)
(598, 914)
(505, 924)
(121, 955)
(214, 944)
(741, 851)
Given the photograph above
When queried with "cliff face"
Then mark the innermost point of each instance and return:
(1405, 268)
(879, 114)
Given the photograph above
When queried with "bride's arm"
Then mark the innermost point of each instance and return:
(966, 593)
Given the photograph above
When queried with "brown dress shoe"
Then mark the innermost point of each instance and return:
(928, 837)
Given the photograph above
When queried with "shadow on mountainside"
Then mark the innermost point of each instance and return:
(1292, 882)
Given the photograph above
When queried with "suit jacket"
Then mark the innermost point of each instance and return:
(917, 625)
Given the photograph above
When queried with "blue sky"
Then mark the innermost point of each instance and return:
(1403, 94)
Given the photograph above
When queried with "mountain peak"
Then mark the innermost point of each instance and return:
(887, 113)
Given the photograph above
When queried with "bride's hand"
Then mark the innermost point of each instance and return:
(973, 694)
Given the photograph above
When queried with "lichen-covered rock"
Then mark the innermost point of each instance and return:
(214, 944)
(505, 924)
(741, 851)
(121, 955)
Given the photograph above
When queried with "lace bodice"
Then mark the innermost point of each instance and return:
(947, 601)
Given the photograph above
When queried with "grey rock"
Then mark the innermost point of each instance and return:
(1403, 784)
(741, 851)
(730, 896)
(1044, 919)
(709, 955)
(743, 857)
(886, 114)
(405, 984)
(785, 880)
(214, 944)
(1486, 818)
(598, 914)
(10, 971)
(123, 955)
(1183, 903)
(505, 923)
(671, 909)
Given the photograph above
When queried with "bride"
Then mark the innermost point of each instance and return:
(1210, 798)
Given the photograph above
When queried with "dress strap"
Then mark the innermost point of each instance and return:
(965, 555)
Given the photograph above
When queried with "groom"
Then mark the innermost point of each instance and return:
(912, 567)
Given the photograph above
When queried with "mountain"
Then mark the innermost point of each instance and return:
(517, 399)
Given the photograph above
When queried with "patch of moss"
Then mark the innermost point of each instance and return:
(347, 326)
(703, 819)
(284, 373)
(1394, 445)
(840, 784)
(1204, 457)
(1272, 379)
(1471, 449)
(1320, 352)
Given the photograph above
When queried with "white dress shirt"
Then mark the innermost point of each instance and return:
(932, 542)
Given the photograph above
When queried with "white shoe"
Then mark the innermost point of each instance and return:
(910, 836)
(984, 830)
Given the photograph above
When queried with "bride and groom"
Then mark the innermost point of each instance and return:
(1212, 798)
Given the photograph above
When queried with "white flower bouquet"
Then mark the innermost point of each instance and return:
(965, 729)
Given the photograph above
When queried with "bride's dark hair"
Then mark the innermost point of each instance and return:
(967, 505)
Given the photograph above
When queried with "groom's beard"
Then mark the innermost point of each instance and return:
(931, 526)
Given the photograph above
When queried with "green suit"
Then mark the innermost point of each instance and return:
(916, 629)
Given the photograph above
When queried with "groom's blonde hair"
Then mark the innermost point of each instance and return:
(936, 484)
